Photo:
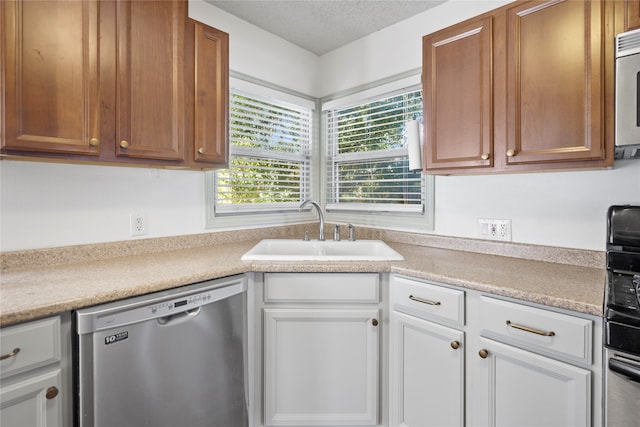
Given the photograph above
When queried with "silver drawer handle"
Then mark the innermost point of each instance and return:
(532, 330)
(8, 355)
(423, 301)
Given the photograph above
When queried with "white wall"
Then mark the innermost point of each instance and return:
(48, 204)
(53, 204)
(565, 209)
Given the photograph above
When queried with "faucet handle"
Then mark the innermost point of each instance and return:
(306, 236)
(336, 233)
(352, 233)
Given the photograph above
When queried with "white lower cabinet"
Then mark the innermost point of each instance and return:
(514, 387)
(32, 402)
(321, 349)
(514, 365)
(34, 374)
(427, 379)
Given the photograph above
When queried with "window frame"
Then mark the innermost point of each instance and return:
(365, 215)
(274, 215)
(319, 146)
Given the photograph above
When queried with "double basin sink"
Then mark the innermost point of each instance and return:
(315, 250)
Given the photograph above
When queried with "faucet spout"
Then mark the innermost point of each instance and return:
(319, 209)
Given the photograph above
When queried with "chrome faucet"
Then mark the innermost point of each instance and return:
(319, 209)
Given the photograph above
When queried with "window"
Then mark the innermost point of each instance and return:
(360, 176)
(367, 161)
(269, 156)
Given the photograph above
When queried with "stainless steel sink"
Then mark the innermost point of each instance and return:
(315, 250)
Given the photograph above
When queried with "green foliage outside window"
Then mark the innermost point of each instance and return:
(269, 162)
(366, 164)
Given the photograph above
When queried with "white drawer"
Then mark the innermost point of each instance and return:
(29, 345)
(539, 330)
(427, 300)
(321, 287)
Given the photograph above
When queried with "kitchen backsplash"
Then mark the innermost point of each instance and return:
(38, 258)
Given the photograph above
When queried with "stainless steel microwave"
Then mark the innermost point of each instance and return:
(627, 112)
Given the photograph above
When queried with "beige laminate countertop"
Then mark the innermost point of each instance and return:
(39, 292)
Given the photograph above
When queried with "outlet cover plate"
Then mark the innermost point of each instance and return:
(138, 224)
(494, 229)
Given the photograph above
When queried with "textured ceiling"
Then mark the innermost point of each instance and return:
(320, 26)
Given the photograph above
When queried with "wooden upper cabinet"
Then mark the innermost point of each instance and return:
(50, 70)
(526, 87)
(150, 102)
(126, 82)
(458, 96)
(555, 82)
(208, 53)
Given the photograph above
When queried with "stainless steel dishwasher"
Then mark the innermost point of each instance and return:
(175, 358)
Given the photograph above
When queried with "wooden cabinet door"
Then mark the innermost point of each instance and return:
(631, 15)
(427, 373)
(321, 367)
(50, 70)
(513, 387)
(555, 82)
(150, 112)
(211, 90)
(458, 96)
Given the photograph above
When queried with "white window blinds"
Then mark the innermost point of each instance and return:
(270, 156)
(368, 164)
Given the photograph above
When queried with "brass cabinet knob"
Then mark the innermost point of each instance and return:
(201, 150)
(511, 152)
(51, 393)
(374, 322)
(455, 345)
(485, 156)
(124, 144)
(483, 353)
(94, 142)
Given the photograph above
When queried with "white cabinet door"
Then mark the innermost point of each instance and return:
(321, 366)
(32, 402)
(427, 373)
(513, 387)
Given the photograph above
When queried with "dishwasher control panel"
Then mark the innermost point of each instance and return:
(167, 308)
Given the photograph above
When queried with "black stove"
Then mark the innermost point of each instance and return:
(622, 318)
(622, 299)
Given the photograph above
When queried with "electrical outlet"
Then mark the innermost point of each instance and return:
(138, 224)
(495, 229)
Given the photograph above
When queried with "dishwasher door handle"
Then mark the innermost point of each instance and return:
(624, 368)
(177, 318)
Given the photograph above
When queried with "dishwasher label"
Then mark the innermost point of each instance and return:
(112, 339)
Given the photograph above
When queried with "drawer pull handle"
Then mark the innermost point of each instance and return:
(532, 330)
(483, 353)
(423, 301)
(455, 345)
(8, 355)
(374, 322)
